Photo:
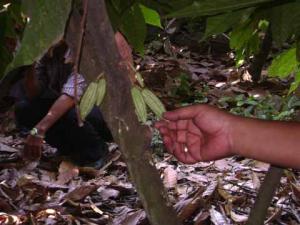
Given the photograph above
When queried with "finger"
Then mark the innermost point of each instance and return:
(181, 130)
(160, 123)
(181, 136)
(184, 113)
(194, 146)
(172, 125)
(182, 155)
(182, 124)
(173, 136)
(179, 150)
(164, 131)
(189, 159)
(169, 144)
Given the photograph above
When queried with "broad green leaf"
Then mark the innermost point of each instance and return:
(208, 7)
(10, 18)
(241, 35)
(113, 14)
(134, 27)
(222, 23)
(285, 21)
(296, 83)
(45, 27)
(151, 16)
(298, 49)
(284, 64)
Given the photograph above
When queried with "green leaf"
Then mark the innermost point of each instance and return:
(208, 7)
(241, 35)
(46, 27)
(285, 21)
(222, 23)
(284, 64)
(298, 49)
(134, 27)
(151, 16)
(296, 83)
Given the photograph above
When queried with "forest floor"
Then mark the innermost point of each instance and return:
(222, 192)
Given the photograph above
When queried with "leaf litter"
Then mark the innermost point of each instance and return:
(222, 192)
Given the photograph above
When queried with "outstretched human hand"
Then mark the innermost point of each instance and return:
(197, 133)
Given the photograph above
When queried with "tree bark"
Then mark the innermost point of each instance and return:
(100, 54)
(265, 195)
(260, 58)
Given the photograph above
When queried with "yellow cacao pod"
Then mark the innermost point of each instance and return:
(139, 104)
(153, 102)
(88, 100)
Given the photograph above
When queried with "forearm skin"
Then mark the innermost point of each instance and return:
(63, 104)
(274, 142)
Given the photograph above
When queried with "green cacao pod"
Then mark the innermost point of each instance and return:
(153, 102)
(139, 104)
(101, 89)
(88, 100)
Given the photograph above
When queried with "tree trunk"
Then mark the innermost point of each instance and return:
(265, 195)
(260, 58)
(99, 54)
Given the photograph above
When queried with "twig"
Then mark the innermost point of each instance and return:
(77, 60)
(32, 219)
(242, 187)
(10, 201)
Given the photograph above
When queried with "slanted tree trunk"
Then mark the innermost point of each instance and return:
(260, 58)
(99, 54)
(265, 195)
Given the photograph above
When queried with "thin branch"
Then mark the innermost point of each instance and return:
(77, 60)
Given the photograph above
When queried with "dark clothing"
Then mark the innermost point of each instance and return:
(81, 144)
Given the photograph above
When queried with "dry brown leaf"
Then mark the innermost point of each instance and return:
(261, 166)
(94, 207)
(81, 192)
(274, 216)
(127, 216)
(9, 219)
(201, 217)
(210, 189)
(187, 208)
(255, 181)
(238, 218)
(222, 165)
(170, 177)
(134, 218)
(224, 194)
(67, 171)
(198, 178)
(296, 191)
(217, 218)
(108, 193)
(6, 148)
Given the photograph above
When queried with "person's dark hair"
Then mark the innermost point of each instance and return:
(54, 71)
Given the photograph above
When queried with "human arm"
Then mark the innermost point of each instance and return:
(33, 144)
(210, 134)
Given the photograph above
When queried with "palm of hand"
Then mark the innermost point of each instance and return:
(201, 138)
